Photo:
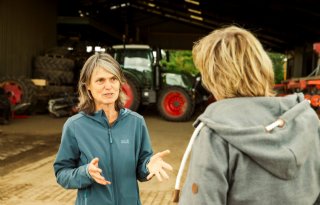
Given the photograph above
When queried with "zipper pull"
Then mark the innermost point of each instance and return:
(110, 137)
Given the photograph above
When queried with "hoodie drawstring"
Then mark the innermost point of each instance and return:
(183, 162)
(277, 123)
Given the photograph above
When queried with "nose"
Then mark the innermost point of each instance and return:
(107, 84)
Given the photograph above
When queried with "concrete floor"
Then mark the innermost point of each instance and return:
(27, 176)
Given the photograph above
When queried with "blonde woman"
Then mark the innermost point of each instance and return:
(253, 148)
(105, 148)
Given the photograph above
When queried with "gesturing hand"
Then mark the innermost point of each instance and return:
(95, 172)
(156, 166)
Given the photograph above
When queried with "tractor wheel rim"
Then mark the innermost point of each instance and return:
(15, 91)
(129, 93)
(175, 104)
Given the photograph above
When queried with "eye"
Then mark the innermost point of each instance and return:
(113, 79)
(100, 80)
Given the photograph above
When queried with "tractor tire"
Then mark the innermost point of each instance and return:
(55, 77)
(133, 94)
(20, 91)
(53, 62)
(175, 104)
(56, 91)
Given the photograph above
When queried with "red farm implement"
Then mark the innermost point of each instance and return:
(309, 85)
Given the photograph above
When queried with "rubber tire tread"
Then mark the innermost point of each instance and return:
(136, 93)
(28, 89)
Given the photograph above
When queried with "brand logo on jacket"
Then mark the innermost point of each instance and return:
(124, 141)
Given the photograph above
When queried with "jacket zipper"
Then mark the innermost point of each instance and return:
(113, 183)
(112, 169)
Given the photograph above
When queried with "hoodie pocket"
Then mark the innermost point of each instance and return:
(129, 200)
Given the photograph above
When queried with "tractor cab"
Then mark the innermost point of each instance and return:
(148, 82)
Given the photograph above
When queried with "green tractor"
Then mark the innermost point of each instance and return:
(175, 94)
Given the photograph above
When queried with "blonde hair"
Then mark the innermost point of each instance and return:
(233, 63)
(109, 64)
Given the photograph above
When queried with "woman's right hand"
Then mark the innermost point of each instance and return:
(95, 172)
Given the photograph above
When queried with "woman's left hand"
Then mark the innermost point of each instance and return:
(156, 166)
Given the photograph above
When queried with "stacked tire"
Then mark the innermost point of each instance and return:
(57, 68)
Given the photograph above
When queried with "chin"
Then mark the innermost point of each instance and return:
(109, 102)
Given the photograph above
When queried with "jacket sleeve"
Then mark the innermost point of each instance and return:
(68, 174)
(207, 181)
(144, 153)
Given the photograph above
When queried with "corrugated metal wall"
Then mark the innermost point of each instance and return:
(27, 28)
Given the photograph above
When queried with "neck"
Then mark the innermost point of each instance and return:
(111, 114)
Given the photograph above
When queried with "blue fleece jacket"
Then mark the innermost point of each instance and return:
(123, 150)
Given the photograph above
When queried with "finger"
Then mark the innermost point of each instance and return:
(103, 182)
(95, 161)
(150, 176)
(98, 177)
(167, 166)
(93, 170)
(158, 176)
(164, 174)
(164, 153)
(96, 169)
(161, 154)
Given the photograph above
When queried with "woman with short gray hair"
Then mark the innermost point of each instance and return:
(106, 148)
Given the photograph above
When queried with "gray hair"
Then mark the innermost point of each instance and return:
(109, 64)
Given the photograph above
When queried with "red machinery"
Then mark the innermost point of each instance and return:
(309, 85)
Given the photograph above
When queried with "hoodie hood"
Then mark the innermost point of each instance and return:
(242, 123)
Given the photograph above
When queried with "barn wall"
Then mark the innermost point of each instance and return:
(27, 28)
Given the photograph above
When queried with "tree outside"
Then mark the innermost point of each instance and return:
(278, 60)
(181, 61)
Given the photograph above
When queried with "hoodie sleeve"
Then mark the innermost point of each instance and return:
(69, 175)
(145, 152)
(207, 181)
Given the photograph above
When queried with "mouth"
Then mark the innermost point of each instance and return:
(107, 94)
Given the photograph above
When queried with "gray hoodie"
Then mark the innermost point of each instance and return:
(236, 161)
